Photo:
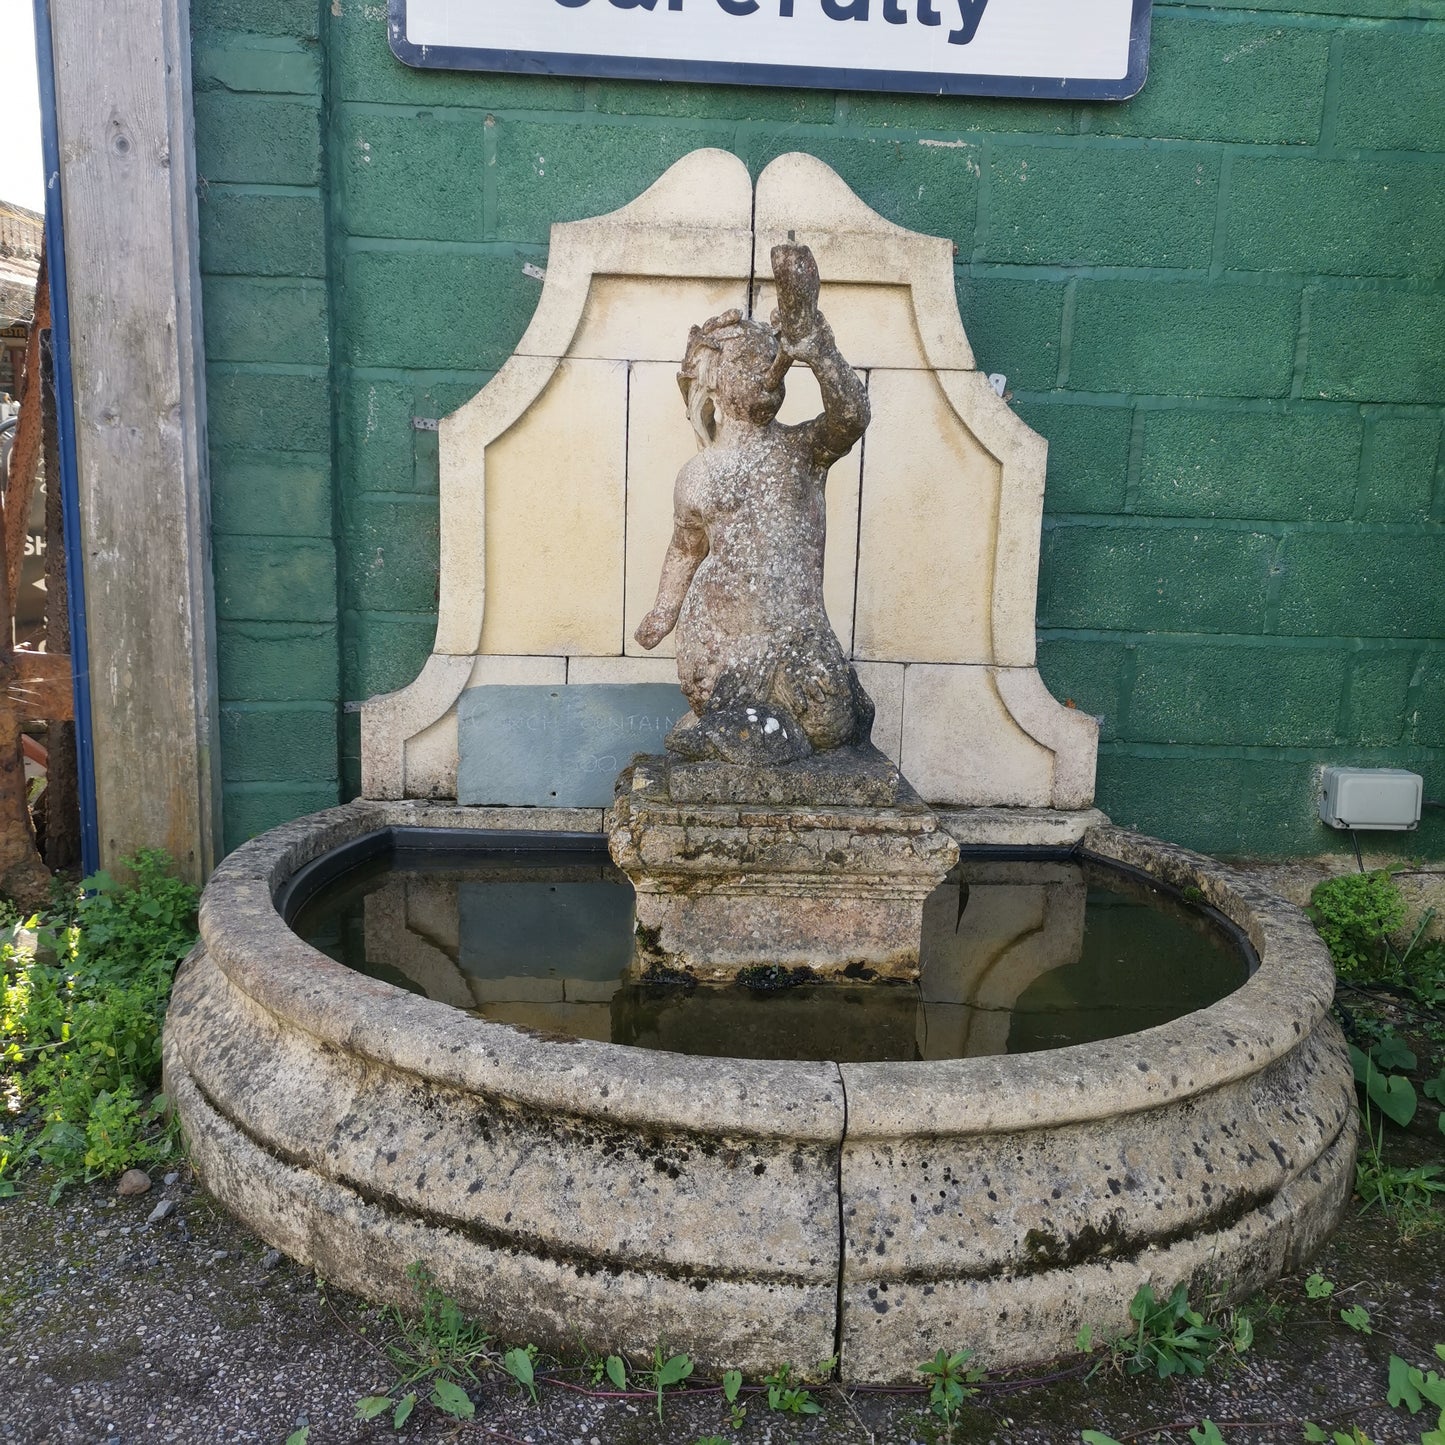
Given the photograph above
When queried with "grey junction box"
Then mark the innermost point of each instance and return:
(1382, 798)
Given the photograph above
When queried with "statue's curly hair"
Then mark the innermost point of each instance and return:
(698, 376)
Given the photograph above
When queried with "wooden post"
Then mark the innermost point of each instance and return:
(127, 184)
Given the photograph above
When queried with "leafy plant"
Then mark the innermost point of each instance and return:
(1393, 1094)
(1357, 1317)
(789, 1396)
(439, 1347)
(1318, 1287)
(518, 1363)
(950, 1383)
(665, 1372)
(1356, 1436)
(1354, 914)
(1171, 1337)
(80, 1017)
(732, 1383)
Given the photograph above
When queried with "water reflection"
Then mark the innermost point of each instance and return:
(1016, 956)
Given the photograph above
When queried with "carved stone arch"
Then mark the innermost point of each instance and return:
(556, 482)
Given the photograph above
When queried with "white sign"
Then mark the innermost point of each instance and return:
(1084, 49)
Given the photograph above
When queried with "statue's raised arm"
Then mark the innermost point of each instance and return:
(805, 336)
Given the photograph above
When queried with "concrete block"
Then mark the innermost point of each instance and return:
(281, 321)
(253, 411)
(388, 553)
(1221, 77)
(1260, 696)
(257, 139)
(1097, 206)
(1375, 346)
(278, 743)
(1389, 89)
(274, 579)
(271, 494)
(1173, 579)
(558, 747)
(1086, 674)
(235, 61)
(249, 809)
(1377, 705)
(296, 18)
(1179, 338)
(1397, 479)
(1363, 584)
(376, 434)
(412, 173)
(954, 115)
(276, 661)
(1298, 466)
(267, 235)
(713, 102)
(1088, 453)
(384, 652)
(1362, 217)
(1014, 327)
(1224, 806)
(430, 310)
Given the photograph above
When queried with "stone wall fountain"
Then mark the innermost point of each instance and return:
(567, 1103)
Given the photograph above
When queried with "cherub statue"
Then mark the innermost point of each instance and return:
(742, 583)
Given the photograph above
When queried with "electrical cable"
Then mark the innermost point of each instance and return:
(1355, 839)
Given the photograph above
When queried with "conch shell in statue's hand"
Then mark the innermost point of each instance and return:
(796, 273)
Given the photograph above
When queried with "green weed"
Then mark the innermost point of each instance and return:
(1169, 1338)
(80, 1027)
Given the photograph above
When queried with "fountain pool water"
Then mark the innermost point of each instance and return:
(987, 1159)
(536, 931)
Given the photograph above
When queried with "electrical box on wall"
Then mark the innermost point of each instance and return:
(1384, 798)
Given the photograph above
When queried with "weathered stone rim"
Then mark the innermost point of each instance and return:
(1260, 1022)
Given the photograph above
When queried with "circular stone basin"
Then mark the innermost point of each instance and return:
(873, 1204)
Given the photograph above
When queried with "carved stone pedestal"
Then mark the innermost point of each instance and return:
(822, 865)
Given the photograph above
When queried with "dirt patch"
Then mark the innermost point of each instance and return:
(114, 1329)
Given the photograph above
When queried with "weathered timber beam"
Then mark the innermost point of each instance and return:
(127, 183)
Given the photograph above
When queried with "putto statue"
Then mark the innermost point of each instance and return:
(742, 583)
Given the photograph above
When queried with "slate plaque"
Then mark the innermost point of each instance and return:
(558, 747)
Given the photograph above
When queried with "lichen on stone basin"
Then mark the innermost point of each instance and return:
(751, 1211)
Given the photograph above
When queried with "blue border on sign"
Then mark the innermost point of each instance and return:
(617, 67)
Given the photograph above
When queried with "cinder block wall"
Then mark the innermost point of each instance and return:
(1222, 303)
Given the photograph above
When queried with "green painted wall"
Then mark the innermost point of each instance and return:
(1222, 303)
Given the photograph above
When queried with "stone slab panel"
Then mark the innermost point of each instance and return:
(558, 747)
(646, 318)
(962, 747)
(554, 554)
(928, 529)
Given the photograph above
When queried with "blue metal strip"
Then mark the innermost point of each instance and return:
(65, 426)
(619, 67)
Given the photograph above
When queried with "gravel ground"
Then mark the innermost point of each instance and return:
(117, 1327)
